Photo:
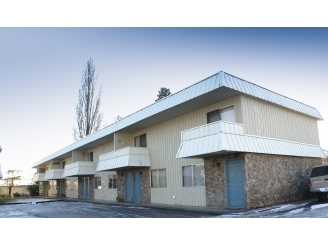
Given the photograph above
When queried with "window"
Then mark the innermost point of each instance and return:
(193, 175)
(140, 141)
(225, 114)
(97, 183)
(111, 181)
(158, 178)
(90, 156)
(64, 163)
(42, 170)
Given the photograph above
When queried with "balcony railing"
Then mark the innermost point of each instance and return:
(124, 158)
(54, 174)
(38, 177)
(223, 137)
(79, 168)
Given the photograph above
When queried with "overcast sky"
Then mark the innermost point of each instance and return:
(41, 68)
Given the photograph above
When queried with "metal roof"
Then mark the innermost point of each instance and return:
(216, 87)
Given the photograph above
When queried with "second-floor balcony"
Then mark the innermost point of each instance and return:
(223, 137)
(38, 177)
(124, 158)
(54, 174)
(79, 168)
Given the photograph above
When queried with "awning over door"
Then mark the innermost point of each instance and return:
(224, 137)
(124, 158)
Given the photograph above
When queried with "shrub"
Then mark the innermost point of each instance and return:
(33, 189)
(16, 194)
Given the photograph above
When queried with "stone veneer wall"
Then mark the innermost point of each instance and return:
(268, 179)
(144, 183)
(91, 186)
(272, 179)
(215, 187)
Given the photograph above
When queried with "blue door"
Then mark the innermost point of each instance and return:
(136, 187)
(128, 184)
(132, 187)
(44, 188)
(85, 188)
(59, 188)
(235, 183)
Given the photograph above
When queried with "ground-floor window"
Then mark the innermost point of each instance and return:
(158, 178)
(97, 183)
(193, 175)
(112, 181)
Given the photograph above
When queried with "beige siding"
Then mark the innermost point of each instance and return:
(77, 155)
(53, 188)
(68, 160)
(264, 119)
(104, 193)
(108, 147)
(164, 139)
(122, 140)
(71, 191)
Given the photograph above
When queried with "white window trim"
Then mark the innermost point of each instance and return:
(231, 105)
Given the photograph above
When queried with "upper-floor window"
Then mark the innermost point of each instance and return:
(225, 114)
(64, 163)
(140, 141)
(90, 156)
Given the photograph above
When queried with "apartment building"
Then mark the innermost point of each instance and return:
(222, 142)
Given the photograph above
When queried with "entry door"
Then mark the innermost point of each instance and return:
(128, 183)
(235, 183)
(85, 188)
(136, 187)
(132, 187)
(44, 188)
(60, 188)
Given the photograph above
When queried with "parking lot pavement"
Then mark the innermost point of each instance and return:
(63, 209)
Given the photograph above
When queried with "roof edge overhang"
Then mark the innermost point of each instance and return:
(189, 98)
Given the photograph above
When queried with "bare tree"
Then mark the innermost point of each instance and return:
(12, 176)
(163, 92)
(88, 116)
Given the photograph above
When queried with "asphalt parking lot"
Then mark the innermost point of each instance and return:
(64, 209)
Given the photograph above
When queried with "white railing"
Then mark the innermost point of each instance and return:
(124, 151)
(212, 128)
(38, 177)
